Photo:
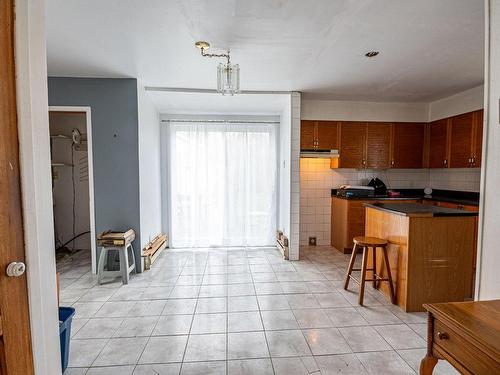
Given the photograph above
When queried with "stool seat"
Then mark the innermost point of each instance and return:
(369, 241)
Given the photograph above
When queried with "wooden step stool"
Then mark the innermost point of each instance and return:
(368, 243)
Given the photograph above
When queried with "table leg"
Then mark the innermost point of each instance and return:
(427, 365)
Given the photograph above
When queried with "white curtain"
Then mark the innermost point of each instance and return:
(222, 184)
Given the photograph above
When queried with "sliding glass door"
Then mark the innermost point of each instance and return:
(222, 184)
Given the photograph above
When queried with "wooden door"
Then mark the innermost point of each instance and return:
(327, 135)
(15, 341)
(307, 134)
(438, 147)
(478, 139)
(461, 131)
(378, 144)
(352, 144)
(408, 145)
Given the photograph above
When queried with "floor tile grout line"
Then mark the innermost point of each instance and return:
(264, 330)
(191, 325)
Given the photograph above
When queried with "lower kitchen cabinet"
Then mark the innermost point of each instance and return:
(348, 220)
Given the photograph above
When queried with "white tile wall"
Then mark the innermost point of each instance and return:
(295, 177)
(317, 180)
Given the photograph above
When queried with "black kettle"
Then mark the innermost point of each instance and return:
(379, 186)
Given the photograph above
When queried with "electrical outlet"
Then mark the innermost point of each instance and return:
(312, 241)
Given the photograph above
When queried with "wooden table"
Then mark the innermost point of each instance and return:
(466, 334)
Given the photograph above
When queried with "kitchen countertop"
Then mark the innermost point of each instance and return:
(419, 210)
(451, 196)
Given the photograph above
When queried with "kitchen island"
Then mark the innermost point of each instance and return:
(430, 249)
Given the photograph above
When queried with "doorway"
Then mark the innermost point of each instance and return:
(72, 191)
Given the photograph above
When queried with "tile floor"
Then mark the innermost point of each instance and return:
(237, 311)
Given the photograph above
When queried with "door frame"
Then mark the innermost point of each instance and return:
(88, 120)
(36, 185)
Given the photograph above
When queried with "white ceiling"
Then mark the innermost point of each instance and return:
(429, 48)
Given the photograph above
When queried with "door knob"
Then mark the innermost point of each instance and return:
(15, 269)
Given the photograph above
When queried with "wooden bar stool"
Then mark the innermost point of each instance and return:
(368, 243)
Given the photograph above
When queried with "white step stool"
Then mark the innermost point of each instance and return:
(125, 267)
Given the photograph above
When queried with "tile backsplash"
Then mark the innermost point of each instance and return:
(317, 180)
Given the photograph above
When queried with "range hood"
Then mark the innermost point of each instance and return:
(315, 153)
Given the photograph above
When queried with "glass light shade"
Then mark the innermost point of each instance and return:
(228, 79)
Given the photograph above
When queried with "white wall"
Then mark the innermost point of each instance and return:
(463, 102)
(149, 167)
(363, 111)
(489, 256)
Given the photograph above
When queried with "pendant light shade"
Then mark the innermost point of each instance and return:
(228, 79)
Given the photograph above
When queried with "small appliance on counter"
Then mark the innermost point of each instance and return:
(353, 191)
(379, 186)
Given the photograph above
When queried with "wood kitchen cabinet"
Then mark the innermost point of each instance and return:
(348, 220)
(438, 144)
(352, 144)
(408, 142)
(378, 145)
(461, 129)
(478, 139)
(456, 142)
(307, 134)
(320, 135)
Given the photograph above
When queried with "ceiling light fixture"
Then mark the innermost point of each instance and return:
(372, 53)
(228, 75)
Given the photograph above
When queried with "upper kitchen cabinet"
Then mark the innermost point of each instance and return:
(327, 135)
(378, 145)
(478, 139)
(456, 142)
(321, 135)
(307, 134)
(408, 145)
(352, 144)
(461, 129)
(438, 144)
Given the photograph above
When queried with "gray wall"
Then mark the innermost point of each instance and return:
(114, 118)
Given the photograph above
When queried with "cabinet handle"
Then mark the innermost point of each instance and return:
(443, 336)
(392, 163)
(445, 162)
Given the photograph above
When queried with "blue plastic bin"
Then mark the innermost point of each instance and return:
(65, 318)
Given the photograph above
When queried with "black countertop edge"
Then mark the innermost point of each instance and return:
(452, 196)
(419, 210)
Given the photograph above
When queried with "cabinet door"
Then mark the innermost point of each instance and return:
(461, 131)
(478, 139)
(352, 144)
(378, 144)
(438, 149)
(307, 134)
(408, 145)
(327, 135)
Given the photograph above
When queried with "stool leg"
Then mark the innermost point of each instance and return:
(363, 276)
(351, 266)
(101, 264)
(374, 282)
(124, 264)
(133, 258)
(388, 267)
